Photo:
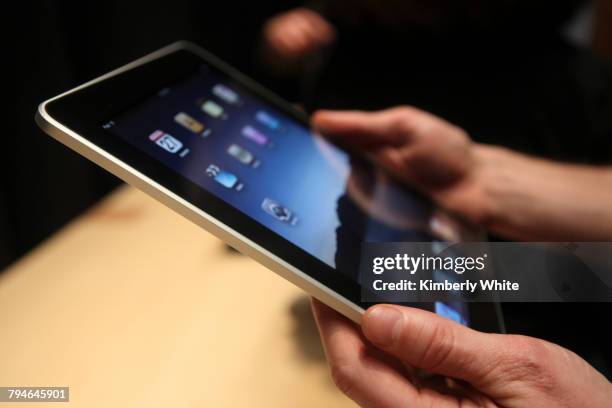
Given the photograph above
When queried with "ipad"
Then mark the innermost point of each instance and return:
(242, 163)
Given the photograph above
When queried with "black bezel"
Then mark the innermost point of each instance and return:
(85, 110)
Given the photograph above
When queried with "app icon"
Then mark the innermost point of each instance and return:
(213, 109)
(278, 211)
(166, 141)
(242, 155)
(268, 120)
(225, 178)
(255, 135)
(188, 122)
(226, 94)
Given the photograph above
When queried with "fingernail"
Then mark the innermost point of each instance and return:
(382, 325)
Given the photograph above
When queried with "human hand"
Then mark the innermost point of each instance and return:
(421, 149)
(297, 33)
(510, 194)
(374, 364)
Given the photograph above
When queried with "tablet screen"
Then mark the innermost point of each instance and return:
(273, 169)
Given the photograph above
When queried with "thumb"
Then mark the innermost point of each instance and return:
(366, 129)
(425, 340)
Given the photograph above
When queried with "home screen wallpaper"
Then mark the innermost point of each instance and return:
(216, 133)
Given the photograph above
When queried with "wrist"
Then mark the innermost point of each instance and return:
(528, 198)
(486, 176)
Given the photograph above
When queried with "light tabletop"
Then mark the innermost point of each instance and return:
(131, 305)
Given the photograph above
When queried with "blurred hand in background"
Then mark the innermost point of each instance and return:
(511, 194)
(291, 37)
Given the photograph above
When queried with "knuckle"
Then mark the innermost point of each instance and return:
(528, 351)
(527, 363)
(403, 115)
(404, 110)
(438, 347)
(410, 120)
(343, 376)
(402, 120)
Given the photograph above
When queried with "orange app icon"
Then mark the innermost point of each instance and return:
(188, 122)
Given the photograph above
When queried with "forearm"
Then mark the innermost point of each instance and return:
(535, 199)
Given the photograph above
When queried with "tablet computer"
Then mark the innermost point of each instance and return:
(234, 158)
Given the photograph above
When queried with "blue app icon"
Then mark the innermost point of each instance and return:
(225, 178)
(268, 120)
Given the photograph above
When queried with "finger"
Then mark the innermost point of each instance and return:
(339, 335)
(433, 343)
(295, 36)
(332, 320)
(366, 379)
(320, 29)
(281, 37)
(365, 129)
(311, 35)
(300, 25)
(280, 44)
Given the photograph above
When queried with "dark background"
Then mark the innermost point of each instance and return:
(514, 80)
(62, 44)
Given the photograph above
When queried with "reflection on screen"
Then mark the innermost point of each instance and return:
(214, 132)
